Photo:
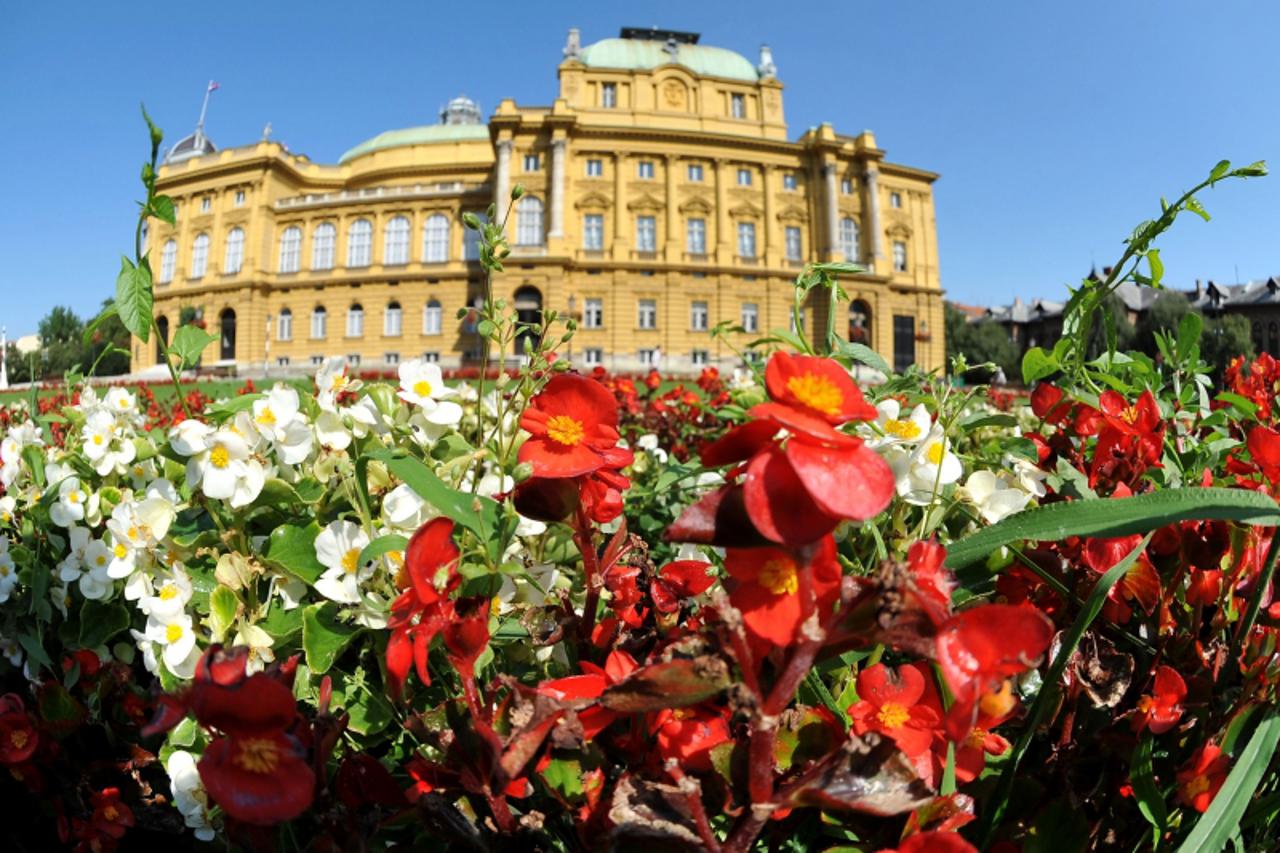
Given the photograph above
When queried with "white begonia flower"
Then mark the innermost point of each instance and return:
(291, 591)
(11, 650)
(649, 444)
(164, 489)
(371, 612)
(422, 385)
(994, 496)
(189, 437)
(926, 470)
(533, 590)
(189, 796)
(121, 402)
(1029, 476)
(141, 472)
(338, 548)
(148, 650)
(142, 525)
(124, 560)
(224, 469)
(106, 445)
(8, 505)
(332, 380)
(175, 636)
(277, 418)
(895, 429)
(404, 510)
(10, 461)
(171, 598)
(70, 505)
(95, 581)
(8, 571)
(74, 564)
(259, 643)
(365, 418)
(331, 432)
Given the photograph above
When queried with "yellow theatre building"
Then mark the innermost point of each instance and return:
(663, 196)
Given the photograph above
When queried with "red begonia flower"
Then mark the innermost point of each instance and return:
(689, 734)
(18, 735)
(1140, 418)
(572, 422)
(678, 581)
(766, 584)
(1046, 403)
(1161, 710)
(979, 650)
(466, 635)
(1202, 776)
(816, 386)
(933, 842)
(1141, 582)
(1264, 447)
(889, 704)
(111, 817)
(778, 503)
(423, 609)
(261, 778)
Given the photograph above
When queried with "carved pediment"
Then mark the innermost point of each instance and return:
(645, 202)
(898, 229)
(593, 200)
(792, 213)
(746, 210)
(696, 204)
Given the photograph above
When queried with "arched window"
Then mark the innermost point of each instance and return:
(432, 318)
(200, 255)
(235, 251)
(528, 305)
(319, 323)
(284, 325)
(162, 326)
(290, 249)
(395, 243)
(849, 239)
(168, 261)
(359, 243)
(355, 321)
(529, 221)
(471, 239)
(227, 322)
(860, 322)
(435, 239)
(322, 240)
(391, 320)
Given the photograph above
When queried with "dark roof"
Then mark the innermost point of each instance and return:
(655, 34)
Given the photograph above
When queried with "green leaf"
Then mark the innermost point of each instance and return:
(189, 343)
(381, 546)
(1157, 267)
(1244, 404)
(100, 621)
(978, 420)
(1220, 170)
(223, 606)
(474, 512)
(1037, 364)
(1047, 699)
(87, 338)
(162, 209)
(839, 267)
(324, 637)
(1197, 208)
(864, 354)
(1219, 823)
(134, 298)
(1115, 517)
(192, 525)
(282, 624)
(1150, 801)
(1188, 333)
(234, 405)
(293, 549)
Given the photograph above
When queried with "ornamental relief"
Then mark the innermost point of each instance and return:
(674, 96)
(696, 205)
(898, 229)
(645, 202)
(791, 213)
(593, 200)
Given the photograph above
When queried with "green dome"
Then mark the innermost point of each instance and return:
(423, 135)
(640, 54)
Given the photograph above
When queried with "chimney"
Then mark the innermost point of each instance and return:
(1199, 289)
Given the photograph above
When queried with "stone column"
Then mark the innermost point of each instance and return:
(833, 212)
(768, 245)
(724, 240)
(673, 212)
(871, 182)
(502, 182)
(557, 187)
(619, 206)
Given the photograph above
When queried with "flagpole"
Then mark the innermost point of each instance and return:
(4, 357)
(204, 108)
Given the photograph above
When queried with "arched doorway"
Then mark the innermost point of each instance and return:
(227, 321)
(162, 338)
(860, 322)
(528, 303)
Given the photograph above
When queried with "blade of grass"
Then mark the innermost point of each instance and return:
(1217, 825)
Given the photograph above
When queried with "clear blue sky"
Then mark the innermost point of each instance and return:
(1056, 126)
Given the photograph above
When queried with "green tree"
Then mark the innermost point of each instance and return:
(1164, 315)
(61, 349)
(979, 343)
(1223, 339)
(1114, 306)
(108, 347)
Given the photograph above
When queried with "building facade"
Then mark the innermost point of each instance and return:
(663, 197)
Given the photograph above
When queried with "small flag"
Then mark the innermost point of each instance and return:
(212, 85)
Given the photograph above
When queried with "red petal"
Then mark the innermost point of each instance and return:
(779, 504)
(574, 687)
(1142, 584)
(687, 578)
(850, 483)
(259, 703)
(262, 798)
(430, 549)
(741, 442)
(879, 684)
(802, 422)
(717, 518)
(783, 367)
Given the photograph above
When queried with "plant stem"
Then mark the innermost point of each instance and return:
(584, 539)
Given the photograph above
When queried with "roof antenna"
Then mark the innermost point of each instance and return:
(204, 108)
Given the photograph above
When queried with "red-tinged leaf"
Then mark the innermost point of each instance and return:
(872, 776)
(849, 482)
(524, 745)
(619, 546)
(943, 814)
(717, 518)
(677, 683)
(653, 815)
(806, 734)
(779, 505)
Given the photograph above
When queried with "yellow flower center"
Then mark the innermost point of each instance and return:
(111, 812)
(258, 755)
(19, 739)
(422, 388)
(936, 453)
(779, 577)
(902, 429)
(132, 533)
(220, 457)
(339, 382)
(999, 703)
(97, 439)
(976, 738)
(73, 497)
(816, 392)
(268, 417)
(101, 560)
(173, 633)
(495, 606)
(4, 571)
(350, 561)
(565, 430)
(120, 551)
(1130, 415)
(168, 592)
(1197, 786)
(892, 715)
(124, 403)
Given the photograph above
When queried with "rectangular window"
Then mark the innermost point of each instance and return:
(353, 359)
(750, 317)
(696, 236)
(609, 95)
(319, 324)
(592, 356)
(698, 316)
(239, 198)
(432, 318)
(649, 357)
(282, 361)
(284, 326)
(738, 106)
(644, 169)
(904, 342)
(899, 256)
(317, 360)
(695, 171)
(391, 357)
(595, 168)
(793, 242)
(846, 186)
(646, 234)
(531, 163)
(700, 356)
(593, 316)
(647, 314)
(744, 177)
(431, 357)
(393, 321)
(895, 199)
(471, 239)
(789, 181)
(355, 322)
(205, 204)
(593, 231)
(746, 239)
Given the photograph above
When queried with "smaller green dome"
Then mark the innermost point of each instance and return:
(643, 54)
(422, 135)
